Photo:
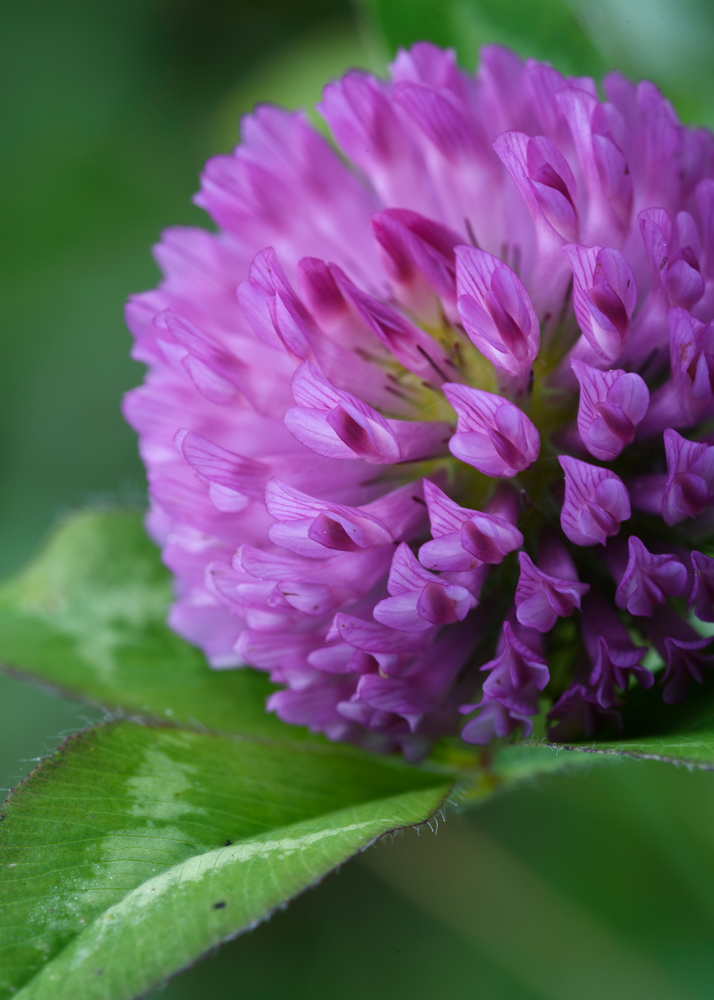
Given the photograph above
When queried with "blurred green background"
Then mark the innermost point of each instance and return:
(594, 885)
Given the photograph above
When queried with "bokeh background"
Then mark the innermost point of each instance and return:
(595, 885)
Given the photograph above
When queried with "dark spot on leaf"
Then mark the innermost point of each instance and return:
(99, 972)
(219, 905)
(228, 842)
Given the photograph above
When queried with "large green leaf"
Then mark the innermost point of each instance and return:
(523, 761)
(544, 29)
(676, 734)
(89, 618)
(134, 849)
(652, 730)
(690, 749)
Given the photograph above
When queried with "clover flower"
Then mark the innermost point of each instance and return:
(427, 395)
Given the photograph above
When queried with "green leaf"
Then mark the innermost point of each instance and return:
(688, 743)
(89, 618)
(543, 29)
(677, 734)
(693, 750)
(134, 849)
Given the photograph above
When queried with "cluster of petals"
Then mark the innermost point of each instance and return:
(431, 404)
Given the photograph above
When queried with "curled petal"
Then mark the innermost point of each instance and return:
(690, 478)
(338, 425)
(604, 297)
(493, 435)
(315, 705)
(702, 596)
(649, 580)
(424, 683)
(541, 599)
(494, 719)
(683, 650)
(692, 360)
(578, 711)
(416, 245)
(357, 572)
(414, 348)
(510, 693)
(390, 648)
(272, 308)
(612, 403)
(547, 186)
(418, 598)
(516, 675)
(543, 178)
(232, 479)
(674, 263)
(685, 662)
(612, 668)
(309, 526)
(614, 656)
(596, 502)
(215, 371)
(463, 538)
(683, 279)
(688, 396)
(496, 310)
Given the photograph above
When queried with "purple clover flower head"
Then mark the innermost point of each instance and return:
(368, 426)
(596, 502)
(612, 403)
(492, 434)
